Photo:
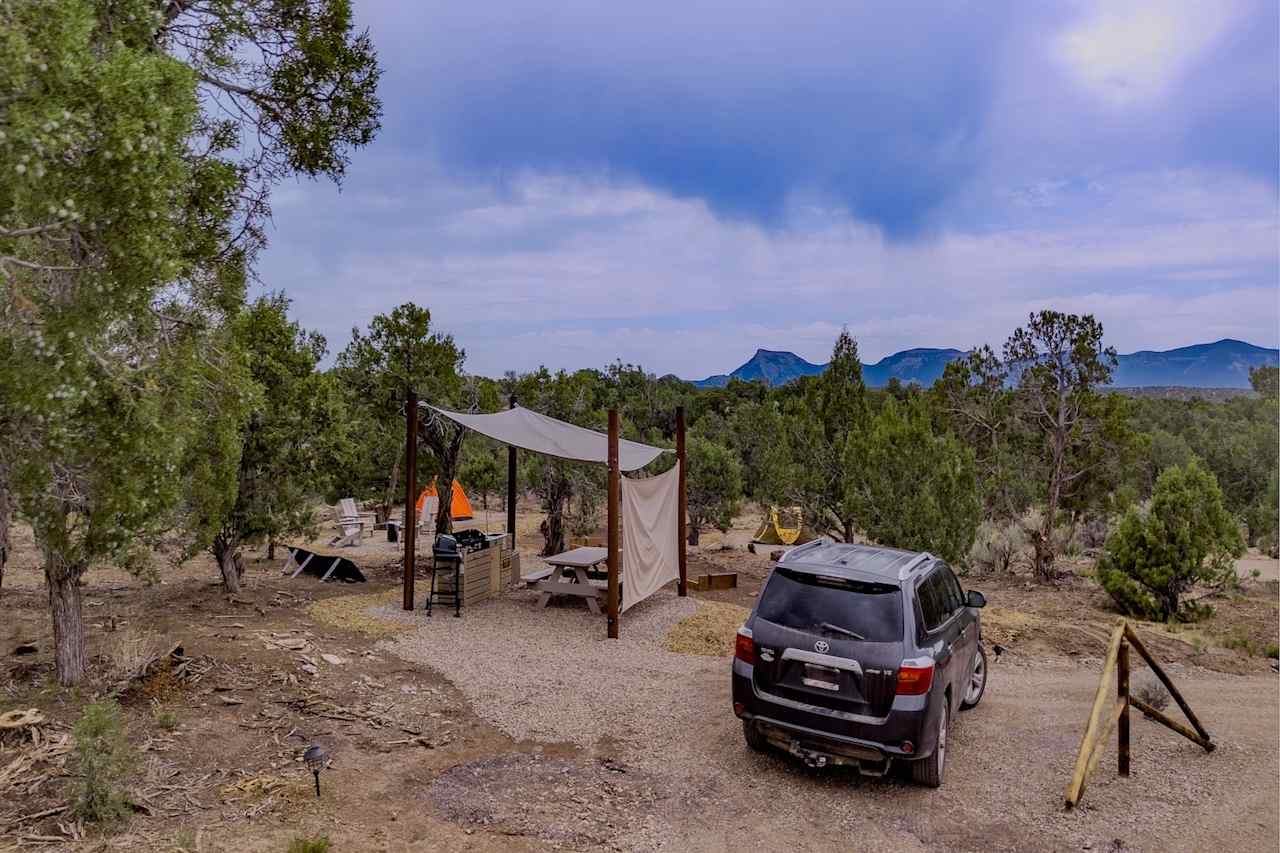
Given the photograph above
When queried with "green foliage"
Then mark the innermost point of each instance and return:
(759, 433)
(1263, 518)
(483, 471)
(105, 759)
(714, 485)
(911, 488)
(824, 418)
(1265, 381)
(307, 844)
(1185, 542)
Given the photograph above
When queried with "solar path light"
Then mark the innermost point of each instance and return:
(316, 758)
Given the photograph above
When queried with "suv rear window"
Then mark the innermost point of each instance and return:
(804, 601)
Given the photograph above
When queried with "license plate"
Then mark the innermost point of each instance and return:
(822, 677)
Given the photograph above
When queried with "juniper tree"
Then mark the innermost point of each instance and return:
(715, 486)
(911, 487)
(1160, 564)
(401, 350)
(126, 231)
(1061, 364)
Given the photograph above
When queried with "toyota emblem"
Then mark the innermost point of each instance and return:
(821, 647)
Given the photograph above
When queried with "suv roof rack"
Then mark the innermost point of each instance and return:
(917, 563)
(801, 549)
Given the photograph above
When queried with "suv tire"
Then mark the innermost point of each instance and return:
(977, 685)
(928, 771)
(754, 738)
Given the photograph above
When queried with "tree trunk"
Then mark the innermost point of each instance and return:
(230, 564)
(694, 534)
(68, 623)
(444, 512)
(393, 485)
(6, 514)
(848, 531)
(271, 549)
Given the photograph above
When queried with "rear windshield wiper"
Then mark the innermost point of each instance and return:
(840, 630)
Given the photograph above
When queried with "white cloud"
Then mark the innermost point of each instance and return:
(1128, 52)
(579, 272)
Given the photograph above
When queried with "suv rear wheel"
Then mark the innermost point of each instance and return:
(754, 738)
(928, 771)
(977, 681)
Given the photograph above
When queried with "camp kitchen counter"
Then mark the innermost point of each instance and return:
(488, 571)
(571, 574)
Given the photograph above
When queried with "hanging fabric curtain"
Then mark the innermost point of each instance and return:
(650, 535)
(520, 427)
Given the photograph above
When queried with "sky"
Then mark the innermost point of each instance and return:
(675, 184)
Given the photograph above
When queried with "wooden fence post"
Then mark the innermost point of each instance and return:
(511, 487)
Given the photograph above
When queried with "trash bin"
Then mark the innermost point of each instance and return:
(393, 531)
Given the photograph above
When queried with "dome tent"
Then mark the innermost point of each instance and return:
(459, 509)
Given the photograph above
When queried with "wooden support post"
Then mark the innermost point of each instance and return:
(1132, 636)
(511, 487)
(615, 557)
(683, 509)
(410, 499)
(1122, 697)
(1096, 721)
(1173, 725)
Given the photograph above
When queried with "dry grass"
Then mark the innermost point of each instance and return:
(709, 632)
(1005, 626)
(352, 612)
(133, 651)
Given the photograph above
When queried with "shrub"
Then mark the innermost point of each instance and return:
(165, 718)
(319, 844)
(1152, 692)
(105, 760)
(185, 841)
(1273, 650)
(1185, 541)
(998, 547)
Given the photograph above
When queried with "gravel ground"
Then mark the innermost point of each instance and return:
(550, 674)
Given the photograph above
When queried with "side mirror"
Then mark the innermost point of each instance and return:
(975, 599)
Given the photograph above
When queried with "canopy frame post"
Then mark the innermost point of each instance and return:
(410, 499)
(615, 558)
(682, 509)
(511, 486)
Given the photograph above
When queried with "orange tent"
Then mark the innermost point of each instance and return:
(459, 510)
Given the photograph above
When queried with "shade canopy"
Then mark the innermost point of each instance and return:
(528, 430)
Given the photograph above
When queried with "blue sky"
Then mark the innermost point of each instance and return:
(678, 183)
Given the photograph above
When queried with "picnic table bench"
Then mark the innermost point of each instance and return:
(570, 573)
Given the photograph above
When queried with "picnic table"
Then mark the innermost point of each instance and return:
(570, 573)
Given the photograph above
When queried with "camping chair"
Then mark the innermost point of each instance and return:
(426, 522)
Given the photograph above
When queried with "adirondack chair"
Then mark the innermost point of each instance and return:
(352, 523)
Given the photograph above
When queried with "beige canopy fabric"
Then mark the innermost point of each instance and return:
(520, 427)
(650, 535)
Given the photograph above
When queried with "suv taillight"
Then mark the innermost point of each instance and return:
(744, 648)
(915, 677)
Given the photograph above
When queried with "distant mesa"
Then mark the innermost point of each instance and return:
(1222, 364)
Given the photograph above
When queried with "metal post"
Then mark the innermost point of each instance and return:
(683, 508)
(511, 487)
(1122, 694)
(615, 558)
(410, 499)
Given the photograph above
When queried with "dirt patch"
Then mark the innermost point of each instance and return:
(583, 804)
(710, 631)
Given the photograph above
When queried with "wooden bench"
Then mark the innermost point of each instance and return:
(532, 579)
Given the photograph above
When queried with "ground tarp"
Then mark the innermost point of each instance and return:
(650, 535)
(520, 427)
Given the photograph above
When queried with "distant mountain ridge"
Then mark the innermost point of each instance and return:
(1221, 364)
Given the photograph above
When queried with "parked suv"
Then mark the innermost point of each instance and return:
(861, 656)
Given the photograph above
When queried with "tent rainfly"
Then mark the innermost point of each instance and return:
(521, 428)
